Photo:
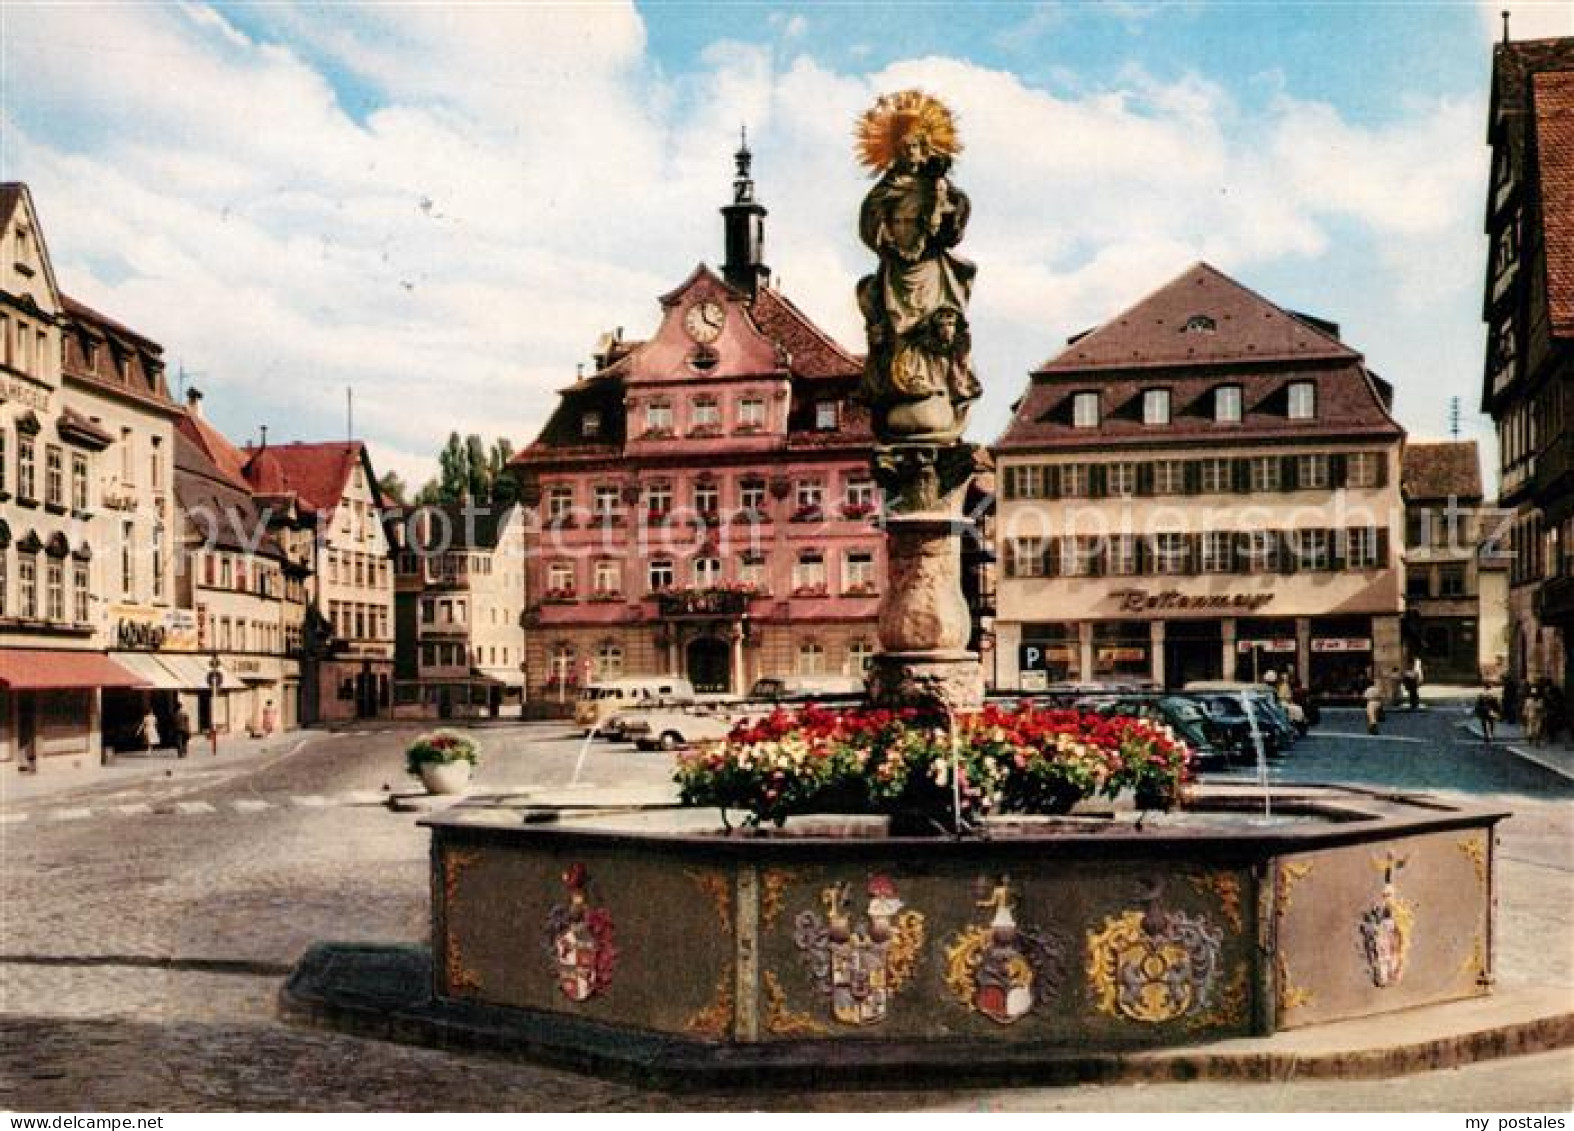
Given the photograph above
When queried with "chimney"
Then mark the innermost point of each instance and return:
(194, 402)
(743, 223)
(263, 446)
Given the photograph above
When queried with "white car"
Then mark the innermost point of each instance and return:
(670, 729)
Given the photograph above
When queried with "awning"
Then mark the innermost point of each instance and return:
(151, 672)
(192, 669)
(42, 669)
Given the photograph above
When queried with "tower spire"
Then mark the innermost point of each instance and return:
(743, 225)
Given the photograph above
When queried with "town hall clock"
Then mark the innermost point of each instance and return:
(704, 321)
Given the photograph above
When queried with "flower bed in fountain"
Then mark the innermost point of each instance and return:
(901, 763)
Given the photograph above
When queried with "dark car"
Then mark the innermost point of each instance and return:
(1180, 713)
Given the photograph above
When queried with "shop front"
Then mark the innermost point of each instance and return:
(1342, 658)
(1123, 651)
(1266, 646)
(1048, 653)
(50, 705)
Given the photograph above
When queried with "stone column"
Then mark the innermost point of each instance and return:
(925, 622)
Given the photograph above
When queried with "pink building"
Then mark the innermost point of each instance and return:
(702, 502)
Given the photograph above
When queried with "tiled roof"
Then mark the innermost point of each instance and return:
(316, 473)
(811, 351)
(1442, 469)
(229, 459)
(222, 511)
(10, 194)
(453, 526)
(143, 373)
(1229, 323)
(1554, 104)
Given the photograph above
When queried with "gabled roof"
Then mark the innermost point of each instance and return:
(811, 352)
(216, 446)
(316, 473)
(219, 510)
(1245, 327)
(1442, 469)
(142, 375)
(15, 196)
(1554, 108)
(437, 528)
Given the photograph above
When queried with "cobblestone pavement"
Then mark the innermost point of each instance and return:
(143, 940)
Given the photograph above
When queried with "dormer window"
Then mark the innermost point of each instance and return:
(1085, 410)
(590, 425)
(1199, 324)
(90, 353)
(1302, 401)
(1227, 404)
(1156, 406)
(825, 416)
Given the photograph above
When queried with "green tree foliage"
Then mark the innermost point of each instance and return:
(394, 489)
(468, 469)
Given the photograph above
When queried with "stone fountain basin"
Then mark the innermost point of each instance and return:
(1119, 930)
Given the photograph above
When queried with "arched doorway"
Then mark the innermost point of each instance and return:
(710, 664)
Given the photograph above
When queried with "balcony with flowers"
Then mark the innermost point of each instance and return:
(726, 599)
(560, 595)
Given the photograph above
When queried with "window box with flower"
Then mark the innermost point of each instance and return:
(657, 432)
(809, 513)
(861, 589)
(859, 510)
(606, 596)
(810, 591)
(559, 595)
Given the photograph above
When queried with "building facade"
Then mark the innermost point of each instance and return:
(348, 646)
(1450, 623)
(459, 596)
(702, 501)
(1205, 486)
(1528, 306)
(53, 671)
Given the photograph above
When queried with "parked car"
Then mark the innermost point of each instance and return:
(598, 702)
(1273, 725)
(672, 727)
(1180, 713)
(805, 688)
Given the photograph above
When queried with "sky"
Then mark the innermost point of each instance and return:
(442, 206)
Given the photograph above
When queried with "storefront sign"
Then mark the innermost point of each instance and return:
(24, 393)
(139, 628)
(1137, 601)
(1033, 681)
(1122, 655)
(1038, 657)
(1283, 644)
(1342, 644)
(242, 666)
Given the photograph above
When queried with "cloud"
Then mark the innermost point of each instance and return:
(443, 206)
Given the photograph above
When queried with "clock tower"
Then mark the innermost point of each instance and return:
(744, 223)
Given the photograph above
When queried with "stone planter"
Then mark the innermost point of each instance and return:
(446, 777)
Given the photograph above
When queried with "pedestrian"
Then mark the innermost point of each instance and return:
(1413, 683)
(1534, 715)
(182, 730)
(1374, 706)
(1486, 713)
(1286, 688)
(148, 731)
(270, 718)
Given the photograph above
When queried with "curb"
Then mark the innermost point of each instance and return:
(384, 992)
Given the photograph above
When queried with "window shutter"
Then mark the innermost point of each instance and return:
(1240, 552)
(1011, 558)
(1009, 491)
(1194, 552)
(1289, 548)
(1287, 475)
(1144, 555)
(1191, 477)
(1051, 481)
(1098, 550)
(1241, 471)
(1338, 548)
(1382, 471)
(1382, 540)
(1338, 470)
(1097, 481)
(1145, 478)
(1052, 557)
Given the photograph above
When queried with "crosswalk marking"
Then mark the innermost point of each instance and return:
(73, 814)
(364, 797)
(135, 810)
(311, 802)
(250, 805)
(12, 818)
(193, 807)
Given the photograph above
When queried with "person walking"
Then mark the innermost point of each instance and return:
(182, 731)
(1486, 713)
(1534, 715)
(1413, 683)
(1374, 706)
(147, 730)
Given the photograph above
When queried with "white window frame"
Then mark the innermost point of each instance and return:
(1301, 400)
(1155, 407)
(1084, 410)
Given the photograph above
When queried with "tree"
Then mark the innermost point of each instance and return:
(468, 469)
(478, 487)
(505, 488)
(393, 488)
(453, 470)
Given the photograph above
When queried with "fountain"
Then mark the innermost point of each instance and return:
(661, 943)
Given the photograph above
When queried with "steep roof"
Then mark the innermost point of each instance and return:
(439, 527)
(1229, 324)
(221, 511)
(140, 373)
(1554, 108)
(316, 473)
(216, 446)
(1442, 469)
(810, 350)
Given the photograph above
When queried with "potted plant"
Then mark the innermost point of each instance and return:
(443, 760)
